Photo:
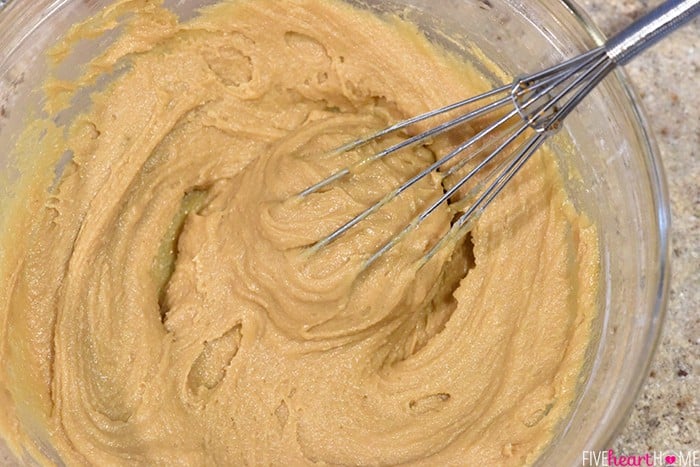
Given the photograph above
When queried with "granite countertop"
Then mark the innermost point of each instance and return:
(666, 415)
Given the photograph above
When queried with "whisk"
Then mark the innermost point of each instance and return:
(538, 102)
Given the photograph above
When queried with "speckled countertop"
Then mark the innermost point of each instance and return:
(666, 415)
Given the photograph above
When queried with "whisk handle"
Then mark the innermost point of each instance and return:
(650, 28)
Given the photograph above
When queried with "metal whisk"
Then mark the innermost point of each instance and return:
(541, 101)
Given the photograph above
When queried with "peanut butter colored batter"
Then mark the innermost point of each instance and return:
(159, 306)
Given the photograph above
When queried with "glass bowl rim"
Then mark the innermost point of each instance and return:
(660, 197)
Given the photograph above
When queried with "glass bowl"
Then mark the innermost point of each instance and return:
(620, 184)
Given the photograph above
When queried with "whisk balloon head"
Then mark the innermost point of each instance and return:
(518, 118)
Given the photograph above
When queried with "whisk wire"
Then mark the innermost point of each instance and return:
(542, 77)
(541, 100)
(537, 117)
(412, 141)
(445, 197)
(531, 100)
(593, 78)
(463, 224)
(412, 181)
(417, 119)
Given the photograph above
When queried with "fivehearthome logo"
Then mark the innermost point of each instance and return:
(609, 458)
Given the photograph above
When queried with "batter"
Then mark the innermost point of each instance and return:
(158, 307)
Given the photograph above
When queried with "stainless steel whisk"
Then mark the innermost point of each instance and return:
(541, 100)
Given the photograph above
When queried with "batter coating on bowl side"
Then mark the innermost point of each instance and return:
(158, 308)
